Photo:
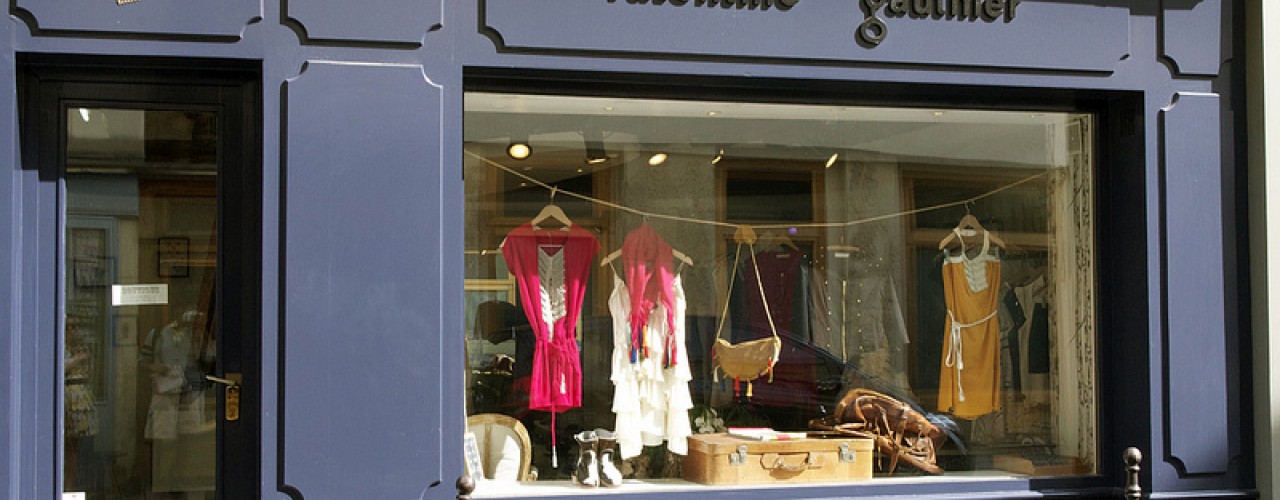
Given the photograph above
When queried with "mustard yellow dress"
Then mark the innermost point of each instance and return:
(969, 386)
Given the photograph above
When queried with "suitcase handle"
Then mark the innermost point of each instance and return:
(788, 462)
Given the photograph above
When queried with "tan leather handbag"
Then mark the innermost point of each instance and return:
(745, 361)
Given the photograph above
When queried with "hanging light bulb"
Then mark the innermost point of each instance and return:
(719, 156)
(832, 160)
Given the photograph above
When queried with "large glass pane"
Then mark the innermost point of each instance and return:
(933, 259)
(141, 211)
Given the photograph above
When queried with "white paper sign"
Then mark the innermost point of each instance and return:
(139, 295)
(471, 449)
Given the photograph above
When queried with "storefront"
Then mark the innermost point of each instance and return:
(399, 249)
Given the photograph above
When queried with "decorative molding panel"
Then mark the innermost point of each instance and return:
(1191, 35)
(360, 344)
(1034, 34)
(1195, 307)
(364, 22)
(143, 18)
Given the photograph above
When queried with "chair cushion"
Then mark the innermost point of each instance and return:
(502, 451)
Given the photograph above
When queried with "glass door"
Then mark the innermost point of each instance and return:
(140, 334)
(159, 213)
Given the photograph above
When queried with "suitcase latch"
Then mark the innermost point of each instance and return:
(847, 455)
(739, 457)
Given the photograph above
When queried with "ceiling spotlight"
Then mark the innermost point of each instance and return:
(519, 150)
(596, 153)
(939, 113)
(719, 156)
(657, 159)
(594, 143)
(832, 160)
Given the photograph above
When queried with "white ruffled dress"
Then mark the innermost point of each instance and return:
(651, 402)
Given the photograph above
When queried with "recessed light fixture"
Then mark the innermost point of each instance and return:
(657, 159)
(608, 108)
(939, 113)
(519, 150)
(712, 113)
(832, 160)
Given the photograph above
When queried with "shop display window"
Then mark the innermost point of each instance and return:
(648, 280)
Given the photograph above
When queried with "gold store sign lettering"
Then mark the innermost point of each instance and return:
(872, 30)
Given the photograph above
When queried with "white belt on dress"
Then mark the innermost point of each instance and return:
(955, 355)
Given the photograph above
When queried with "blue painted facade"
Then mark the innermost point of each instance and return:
(362, 196)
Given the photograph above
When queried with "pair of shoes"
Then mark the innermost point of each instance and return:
(595, 459)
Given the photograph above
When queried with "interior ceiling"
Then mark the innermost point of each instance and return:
(950, 136)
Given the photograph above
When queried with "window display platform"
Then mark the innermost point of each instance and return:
(514, 489)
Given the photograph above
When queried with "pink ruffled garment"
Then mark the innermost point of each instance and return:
(551, 267)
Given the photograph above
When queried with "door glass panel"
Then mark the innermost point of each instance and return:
(140, 248)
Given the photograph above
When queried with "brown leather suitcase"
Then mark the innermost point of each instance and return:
(724, 459)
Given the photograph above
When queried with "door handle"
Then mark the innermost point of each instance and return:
(234, 379)
(231, 394)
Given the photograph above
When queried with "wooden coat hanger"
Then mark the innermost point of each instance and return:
(618, 253)
(551, 211)
(969, 223)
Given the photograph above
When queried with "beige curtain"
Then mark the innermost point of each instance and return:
(1071, 261)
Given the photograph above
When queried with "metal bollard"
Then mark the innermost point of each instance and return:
(1133, 465)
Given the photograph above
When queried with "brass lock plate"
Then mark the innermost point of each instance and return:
(232, 403)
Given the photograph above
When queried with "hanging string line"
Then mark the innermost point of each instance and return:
(690, 220)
